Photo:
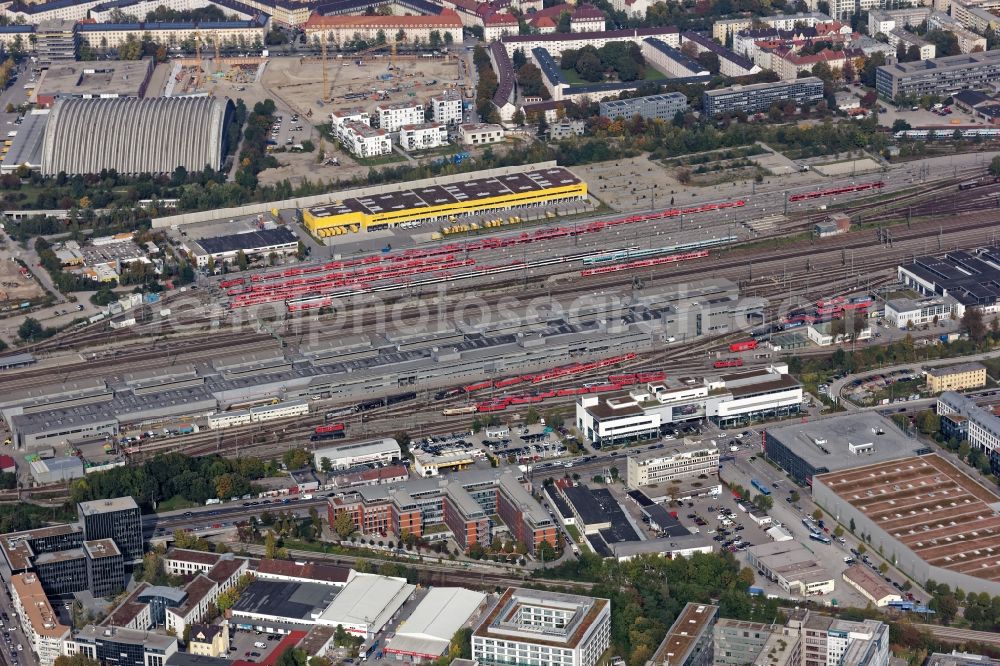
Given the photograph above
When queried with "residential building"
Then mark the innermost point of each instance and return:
(909, 40)
(689, 641)
(973, 15)
(103, 36)
(354, 114)
(672, 464)
(904, 312)
(43, 631)
(586, 18)
(670, 60)
(565, 129)
(730, 64)
(961, 377)
(118, 519)
(981, 426)
(392, 117)
(553, 627)
(651, 107)
(475, 134)
(340, 29)
(939, 76)
(789, 65)
(121, 647)
(200, 593)
(559, 42)
(209, 640)
(885, 21)
(363, 141)
(759, 97)
(968, 41)
(498, 25)
(423, 136)
(446, 107)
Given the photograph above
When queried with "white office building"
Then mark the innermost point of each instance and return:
(423, 136)
(673, 463)
(532, 627)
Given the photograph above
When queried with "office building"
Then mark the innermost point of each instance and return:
(118, 519)
(121, 647)
(828, 640)
(906, 313)
(673, 464)
(939, 76)
(837, 443)
(527, 625)
(62, 572)
(956, 658)
(961, 377)
(926, 515)
(651, 107)
(980, 427)
(689, 641)
(105, 567)
(738, 642)
(759, 97)
(42, 629)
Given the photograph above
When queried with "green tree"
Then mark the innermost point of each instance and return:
(532, 416)
(817, 514)
(995, 166)
(31, 330)
(343, 525)
(270, 545)
(326, 465)
(242, 261)
(296, 458)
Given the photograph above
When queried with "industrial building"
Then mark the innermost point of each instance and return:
(960, 377)
(924, 514)
(905, 312)
(759, 97)
(426, 634)
(280, 606)
(88, 135)
(940, 76)
(837, 443)
(100, 79)
(651, 107)
(573, 630)
(871, 585)
(344, 456)
(971, 278)
(42, 629)
(366, 604)
(689, 641)
(792, 566)
(255, 245)
(429, 204)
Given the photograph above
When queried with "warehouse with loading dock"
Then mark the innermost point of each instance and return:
(436, 203)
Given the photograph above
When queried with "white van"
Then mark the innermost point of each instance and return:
(260, 644)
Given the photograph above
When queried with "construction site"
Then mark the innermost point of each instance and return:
(316, 86)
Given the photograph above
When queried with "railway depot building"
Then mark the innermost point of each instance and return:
(836, 443)
(464, 503)
(439, 203)
(972, 279)
(527, 626)
(924, 514)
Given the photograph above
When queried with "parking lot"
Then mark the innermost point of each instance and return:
(246, 644)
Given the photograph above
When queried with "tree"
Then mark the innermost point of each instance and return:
(995, 166)
(343, 525)
(794, 496)
(564, 22)
(31, 330)
(519, 60)
(296, 458)
(972, 323)
(532, 416)
(326, 465)
(709, 61)
(270, 545)
(817, 514)
(882, 568)
(518, 118)
(851, 526)
(241, 260)
(76, 660)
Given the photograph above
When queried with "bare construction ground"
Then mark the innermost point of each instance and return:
(13, 286)
(298, 82)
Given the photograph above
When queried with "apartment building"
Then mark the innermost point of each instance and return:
(651, 107)
(899, 36)
(392, 117)
(42, 629)
(475, 134)
(342, 28)
(961, 377)
(939, 76)
(446, 107)
(672, 463)
(363, 141)
(249, 32)
(423, 136)
(759, 97)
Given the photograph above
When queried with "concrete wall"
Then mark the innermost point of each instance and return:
(905, 559)
(321, 199)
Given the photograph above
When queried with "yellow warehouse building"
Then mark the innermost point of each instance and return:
(444, 203)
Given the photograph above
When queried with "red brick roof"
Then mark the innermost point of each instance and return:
(307, 570)
(587, 12)
(500, 19)
(6, 462)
